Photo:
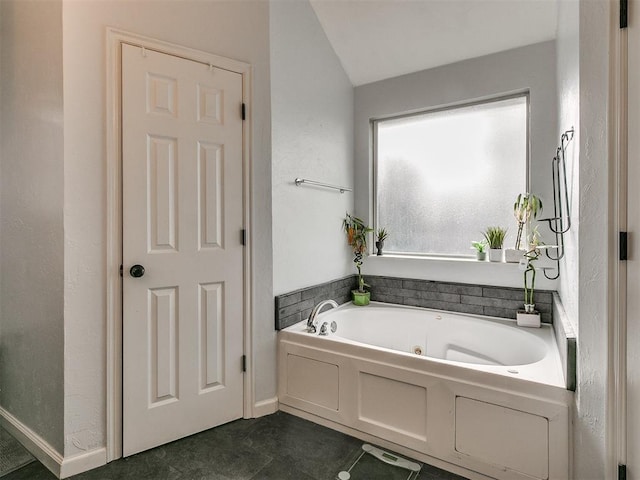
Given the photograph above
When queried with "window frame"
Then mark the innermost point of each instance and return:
(373, 122)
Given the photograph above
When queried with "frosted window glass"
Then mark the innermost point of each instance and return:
(443, 177)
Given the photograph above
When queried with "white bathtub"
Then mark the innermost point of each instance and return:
(477, 396)
(481, 343)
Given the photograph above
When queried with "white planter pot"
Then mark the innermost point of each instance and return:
(511, 255)
(495, 254)
(525, 319)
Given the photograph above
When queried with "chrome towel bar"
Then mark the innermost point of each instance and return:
(300, 181)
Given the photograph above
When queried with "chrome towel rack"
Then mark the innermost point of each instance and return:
(560, 223)
(300, 181)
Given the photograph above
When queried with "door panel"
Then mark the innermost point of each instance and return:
(182, 216)
(210, 195)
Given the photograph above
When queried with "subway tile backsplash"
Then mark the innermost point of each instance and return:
(455, 297)
(296, 306)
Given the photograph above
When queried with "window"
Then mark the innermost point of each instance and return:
(443, 176)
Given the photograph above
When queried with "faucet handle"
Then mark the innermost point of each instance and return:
(323, 329)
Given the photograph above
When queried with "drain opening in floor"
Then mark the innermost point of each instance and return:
(376, 464)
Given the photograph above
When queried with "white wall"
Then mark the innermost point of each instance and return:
(568, 80)
(527, 68)
(312, 137)
(238, 30)
(31, 257)
(583, 69)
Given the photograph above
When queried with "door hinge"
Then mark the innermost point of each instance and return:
(622, 472)
(624, 13)
(244, 111)
(243, 237)
(623, 245)
(244, 363)
(120, 270)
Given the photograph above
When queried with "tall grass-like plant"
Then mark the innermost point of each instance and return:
(357, 232)
(530, 272)
(526, 208)
(495, 237)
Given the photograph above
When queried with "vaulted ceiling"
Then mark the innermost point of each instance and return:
(378, 39)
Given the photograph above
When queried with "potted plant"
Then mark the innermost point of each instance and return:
(529, 317)
(481, 249)
(526, 208)
(357, 232)
(382, 236)
(495, 239)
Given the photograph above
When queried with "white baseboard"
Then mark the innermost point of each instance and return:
(33, 442)
(83, 462)
(265, 407)
(46, 454)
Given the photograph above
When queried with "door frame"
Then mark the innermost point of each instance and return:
(616, 431)
(115, 38)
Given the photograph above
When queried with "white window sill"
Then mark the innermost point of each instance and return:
(452, 269)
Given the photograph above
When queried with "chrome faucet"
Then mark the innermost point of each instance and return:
(311, 322)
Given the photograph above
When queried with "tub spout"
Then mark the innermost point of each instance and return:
(311, 322)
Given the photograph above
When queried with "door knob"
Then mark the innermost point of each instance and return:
(136, 271)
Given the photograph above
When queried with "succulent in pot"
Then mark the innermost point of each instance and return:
(381, 236)
(495, 240)
(481, 249)
(357, 232)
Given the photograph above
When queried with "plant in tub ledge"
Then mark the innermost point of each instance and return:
(526, 208)
(382, 236)
(495, 239)
(357, 233)
(481, 249)
(529, 317)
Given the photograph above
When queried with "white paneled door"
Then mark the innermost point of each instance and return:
(182, 184)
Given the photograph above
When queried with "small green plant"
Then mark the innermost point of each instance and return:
(495, 236)
(530, 279)
(382, 234)
(526, 208)
(481, 247)
(535, 239)
(357, 232)
(530, 272)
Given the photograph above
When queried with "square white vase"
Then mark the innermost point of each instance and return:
(511, 255)
(496, 254)
(525, 319)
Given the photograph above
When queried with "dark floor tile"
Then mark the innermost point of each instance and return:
(237, 429)
(141, 467)
(278, 447)
(214, 455)
(33, 471)
(281, 470)
(12, 454)
(204, 474)
(315, 450)
(430, 472)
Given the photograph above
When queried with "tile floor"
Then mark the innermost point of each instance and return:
(275, 447)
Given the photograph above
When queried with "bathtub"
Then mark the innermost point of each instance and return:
(477, 396)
